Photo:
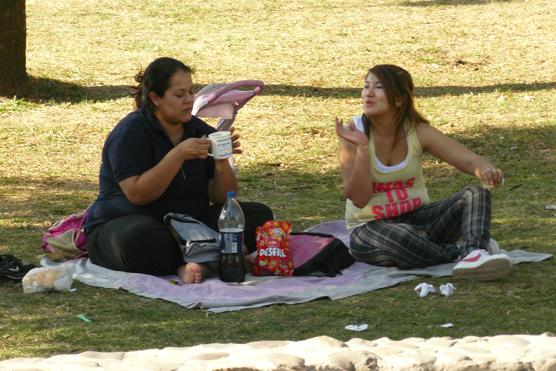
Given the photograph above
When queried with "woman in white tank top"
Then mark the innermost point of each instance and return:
(391, 220)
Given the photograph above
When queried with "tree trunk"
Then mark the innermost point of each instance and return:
(12, 46)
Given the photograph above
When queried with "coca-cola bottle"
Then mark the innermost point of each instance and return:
(231, 224)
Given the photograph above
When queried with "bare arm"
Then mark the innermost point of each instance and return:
(224, 178)
(224, 181)
(150, 185)
(457, 155)
(355, 163)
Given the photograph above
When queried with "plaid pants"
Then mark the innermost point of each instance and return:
(435, 233)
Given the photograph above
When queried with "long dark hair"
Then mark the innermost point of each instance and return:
(398, 87)
(156, 78)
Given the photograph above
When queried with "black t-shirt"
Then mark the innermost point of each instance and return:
(136, 144)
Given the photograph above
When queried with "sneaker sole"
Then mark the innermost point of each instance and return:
(490, 270)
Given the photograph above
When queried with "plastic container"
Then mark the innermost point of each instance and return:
(231, 224)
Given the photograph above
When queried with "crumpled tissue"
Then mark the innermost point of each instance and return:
(360, 327)
(423, 289)
(447, 289)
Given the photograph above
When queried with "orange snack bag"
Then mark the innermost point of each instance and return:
(273, 250)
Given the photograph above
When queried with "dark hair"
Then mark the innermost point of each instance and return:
(398, 86)
(156, 78)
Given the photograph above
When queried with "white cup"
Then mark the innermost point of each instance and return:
(221, 145)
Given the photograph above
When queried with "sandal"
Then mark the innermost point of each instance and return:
(11, 268)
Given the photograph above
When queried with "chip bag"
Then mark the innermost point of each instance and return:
(273, 251)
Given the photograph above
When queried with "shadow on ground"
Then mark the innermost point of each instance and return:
(451, 2)
(39, 89)
(44, 90)
(432, 91)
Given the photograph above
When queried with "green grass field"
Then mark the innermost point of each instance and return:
(486, 75)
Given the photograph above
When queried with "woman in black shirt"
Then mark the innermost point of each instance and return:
(155, 161)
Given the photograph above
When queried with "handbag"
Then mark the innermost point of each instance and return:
(66, 239)
(198, 242)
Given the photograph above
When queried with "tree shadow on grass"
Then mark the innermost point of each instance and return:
(432, 91)
(38, 89)
(29, 206)
(35, 200)
(41, 90)
(423, 3)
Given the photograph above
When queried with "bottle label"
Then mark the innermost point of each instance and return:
(231, 241)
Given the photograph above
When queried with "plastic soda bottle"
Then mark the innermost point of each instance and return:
(231, 224)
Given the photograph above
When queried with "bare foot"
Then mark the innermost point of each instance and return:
(193, 272)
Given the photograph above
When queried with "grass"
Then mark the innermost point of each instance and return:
(485, 72)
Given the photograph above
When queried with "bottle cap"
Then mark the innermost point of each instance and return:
(230, 194)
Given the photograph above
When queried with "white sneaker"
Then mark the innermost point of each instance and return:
(480, 265)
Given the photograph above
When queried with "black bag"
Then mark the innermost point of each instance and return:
(198, 242)
(318, 254)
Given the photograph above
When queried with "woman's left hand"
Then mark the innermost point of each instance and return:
(492, 177)
(235, 142)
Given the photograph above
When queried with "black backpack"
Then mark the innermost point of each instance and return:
(318, 254)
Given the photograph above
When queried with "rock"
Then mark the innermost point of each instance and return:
(502, 352)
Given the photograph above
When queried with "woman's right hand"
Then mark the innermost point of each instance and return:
(195, 148)
(491, 177)
(350, 133)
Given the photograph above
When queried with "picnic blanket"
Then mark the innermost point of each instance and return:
(216, 296)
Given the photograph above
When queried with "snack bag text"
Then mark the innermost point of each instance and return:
(273, 251)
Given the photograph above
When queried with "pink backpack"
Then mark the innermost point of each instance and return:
(66, 239)
(318, 254)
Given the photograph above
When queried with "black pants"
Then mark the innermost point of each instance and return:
(142, 244)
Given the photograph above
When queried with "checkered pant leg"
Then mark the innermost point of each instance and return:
(464, 217)
(387, 243)
(428, 235)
